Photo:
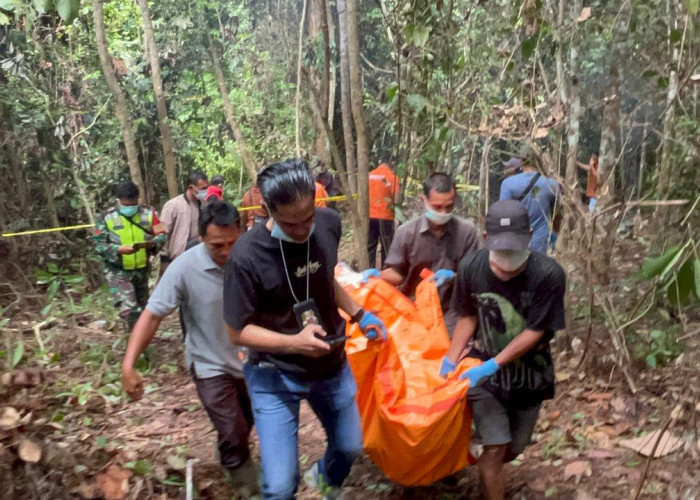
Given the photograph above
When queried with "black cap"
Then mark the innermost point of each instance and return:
(507, 226)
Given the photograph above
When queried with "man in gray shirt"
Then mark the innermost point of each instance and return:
(195, 281)
(436, 240)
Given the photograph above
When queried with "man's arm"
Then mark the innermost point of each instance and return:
(583, 165)
(306, 342)
(463, 332)
(522, 343)
(392, 276)
(140, 338)
(343, 300)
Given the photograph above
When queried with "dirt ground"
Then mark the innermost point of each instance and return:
(66, 431)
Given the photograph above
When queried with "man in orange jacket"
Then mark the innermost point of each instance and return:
(383, 188)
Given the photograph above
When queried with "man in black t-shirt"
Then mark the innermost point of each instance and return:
(281, 301)
(513, 301)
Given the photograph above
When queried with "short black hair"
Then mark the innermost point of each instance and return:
(126, 190)
(195, 177)
(440, 182)
(286, 182)
(217, 179)
(218, 213)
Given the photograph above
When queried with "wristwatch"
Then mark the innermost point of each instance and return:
(357, 316)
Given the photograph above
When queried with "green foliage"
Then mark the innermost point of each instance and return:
(678, 273)
(56, 278)
(140, 467)
(691, 6)
(68, 9)
(656, 347)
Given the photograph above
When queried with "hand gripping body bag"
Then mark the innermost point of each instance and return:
(416, 424)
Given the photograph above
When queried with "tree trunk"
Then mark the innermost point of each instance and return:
(297, 113)
(357, 102)
(484, 183)
(666, 167)
(345, 106)
(574, 114)
(611, 109)
(561, 86)
(609, 145)
(318, 25)
(47, 185)
(161, 103)
(120, 106)
(338, 160)
(228, 109)
(18, 175)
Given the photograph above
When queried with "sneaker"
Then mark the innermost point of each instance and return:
(314, 479)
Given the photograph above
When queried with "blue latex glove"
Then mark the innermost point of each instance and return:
(369, 273)
(371, 326)
(446, 367)
(442, 276)
(479, 373)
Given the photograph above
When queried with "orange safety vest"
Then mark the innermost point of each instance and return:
(320, 193)
(383, 188)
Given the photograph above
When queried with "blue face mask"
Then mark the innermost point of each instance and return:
(128, 210)
(277, 233)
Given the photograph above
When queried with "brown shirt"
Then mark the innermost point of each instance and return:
(180, 217)
(415, 248)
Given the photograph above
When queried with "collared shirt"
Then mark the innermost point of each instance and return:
(180, 217)
(415, 248)
(195, 282)
(383, 189)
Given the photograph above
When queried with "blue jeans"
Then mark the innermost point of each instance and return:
(275, 396)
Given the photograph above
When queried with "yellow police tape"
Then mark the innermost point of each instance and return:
(342, 197)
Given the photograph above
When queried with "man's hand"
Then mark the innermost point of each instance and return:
(370, 273)
(372, 326)
(442, 276)
(132, 383)
(446, 366)
(126, 249)
(308, 343)
(479, 373)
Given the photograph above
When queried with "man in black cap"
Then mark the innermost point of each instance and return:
(511, 301)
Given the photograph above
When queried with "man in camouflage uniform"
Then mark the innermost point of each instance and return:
(125, 236)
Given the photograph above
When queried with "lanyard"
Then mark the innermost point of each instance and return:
(286, 271)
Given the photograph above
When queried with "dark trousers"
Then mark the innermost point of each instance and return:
(225, 398)
(380, 231)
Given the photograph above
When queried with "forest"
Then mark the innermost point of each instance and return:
(95, 92)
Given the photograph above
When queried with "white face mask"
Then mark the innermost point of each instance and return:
(509, 260)
(437, 217)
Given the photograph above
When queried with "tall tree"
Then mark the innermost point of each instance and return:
(357, 102)
(228, 109)
(120, 106)
(318, 27)
(345, 105)
(609, 144)
(669, 120)
(161, 102)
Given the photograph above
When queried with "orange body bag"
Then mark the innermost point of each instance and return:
(416, 424)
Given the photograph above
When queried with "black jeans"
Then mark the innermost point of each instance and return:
(225, 398)
(380, 231)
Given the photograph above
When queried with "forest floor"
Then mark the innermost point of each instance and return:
(67, 432)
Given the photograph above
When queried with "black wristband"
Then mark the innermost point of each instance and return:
(357, 316)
